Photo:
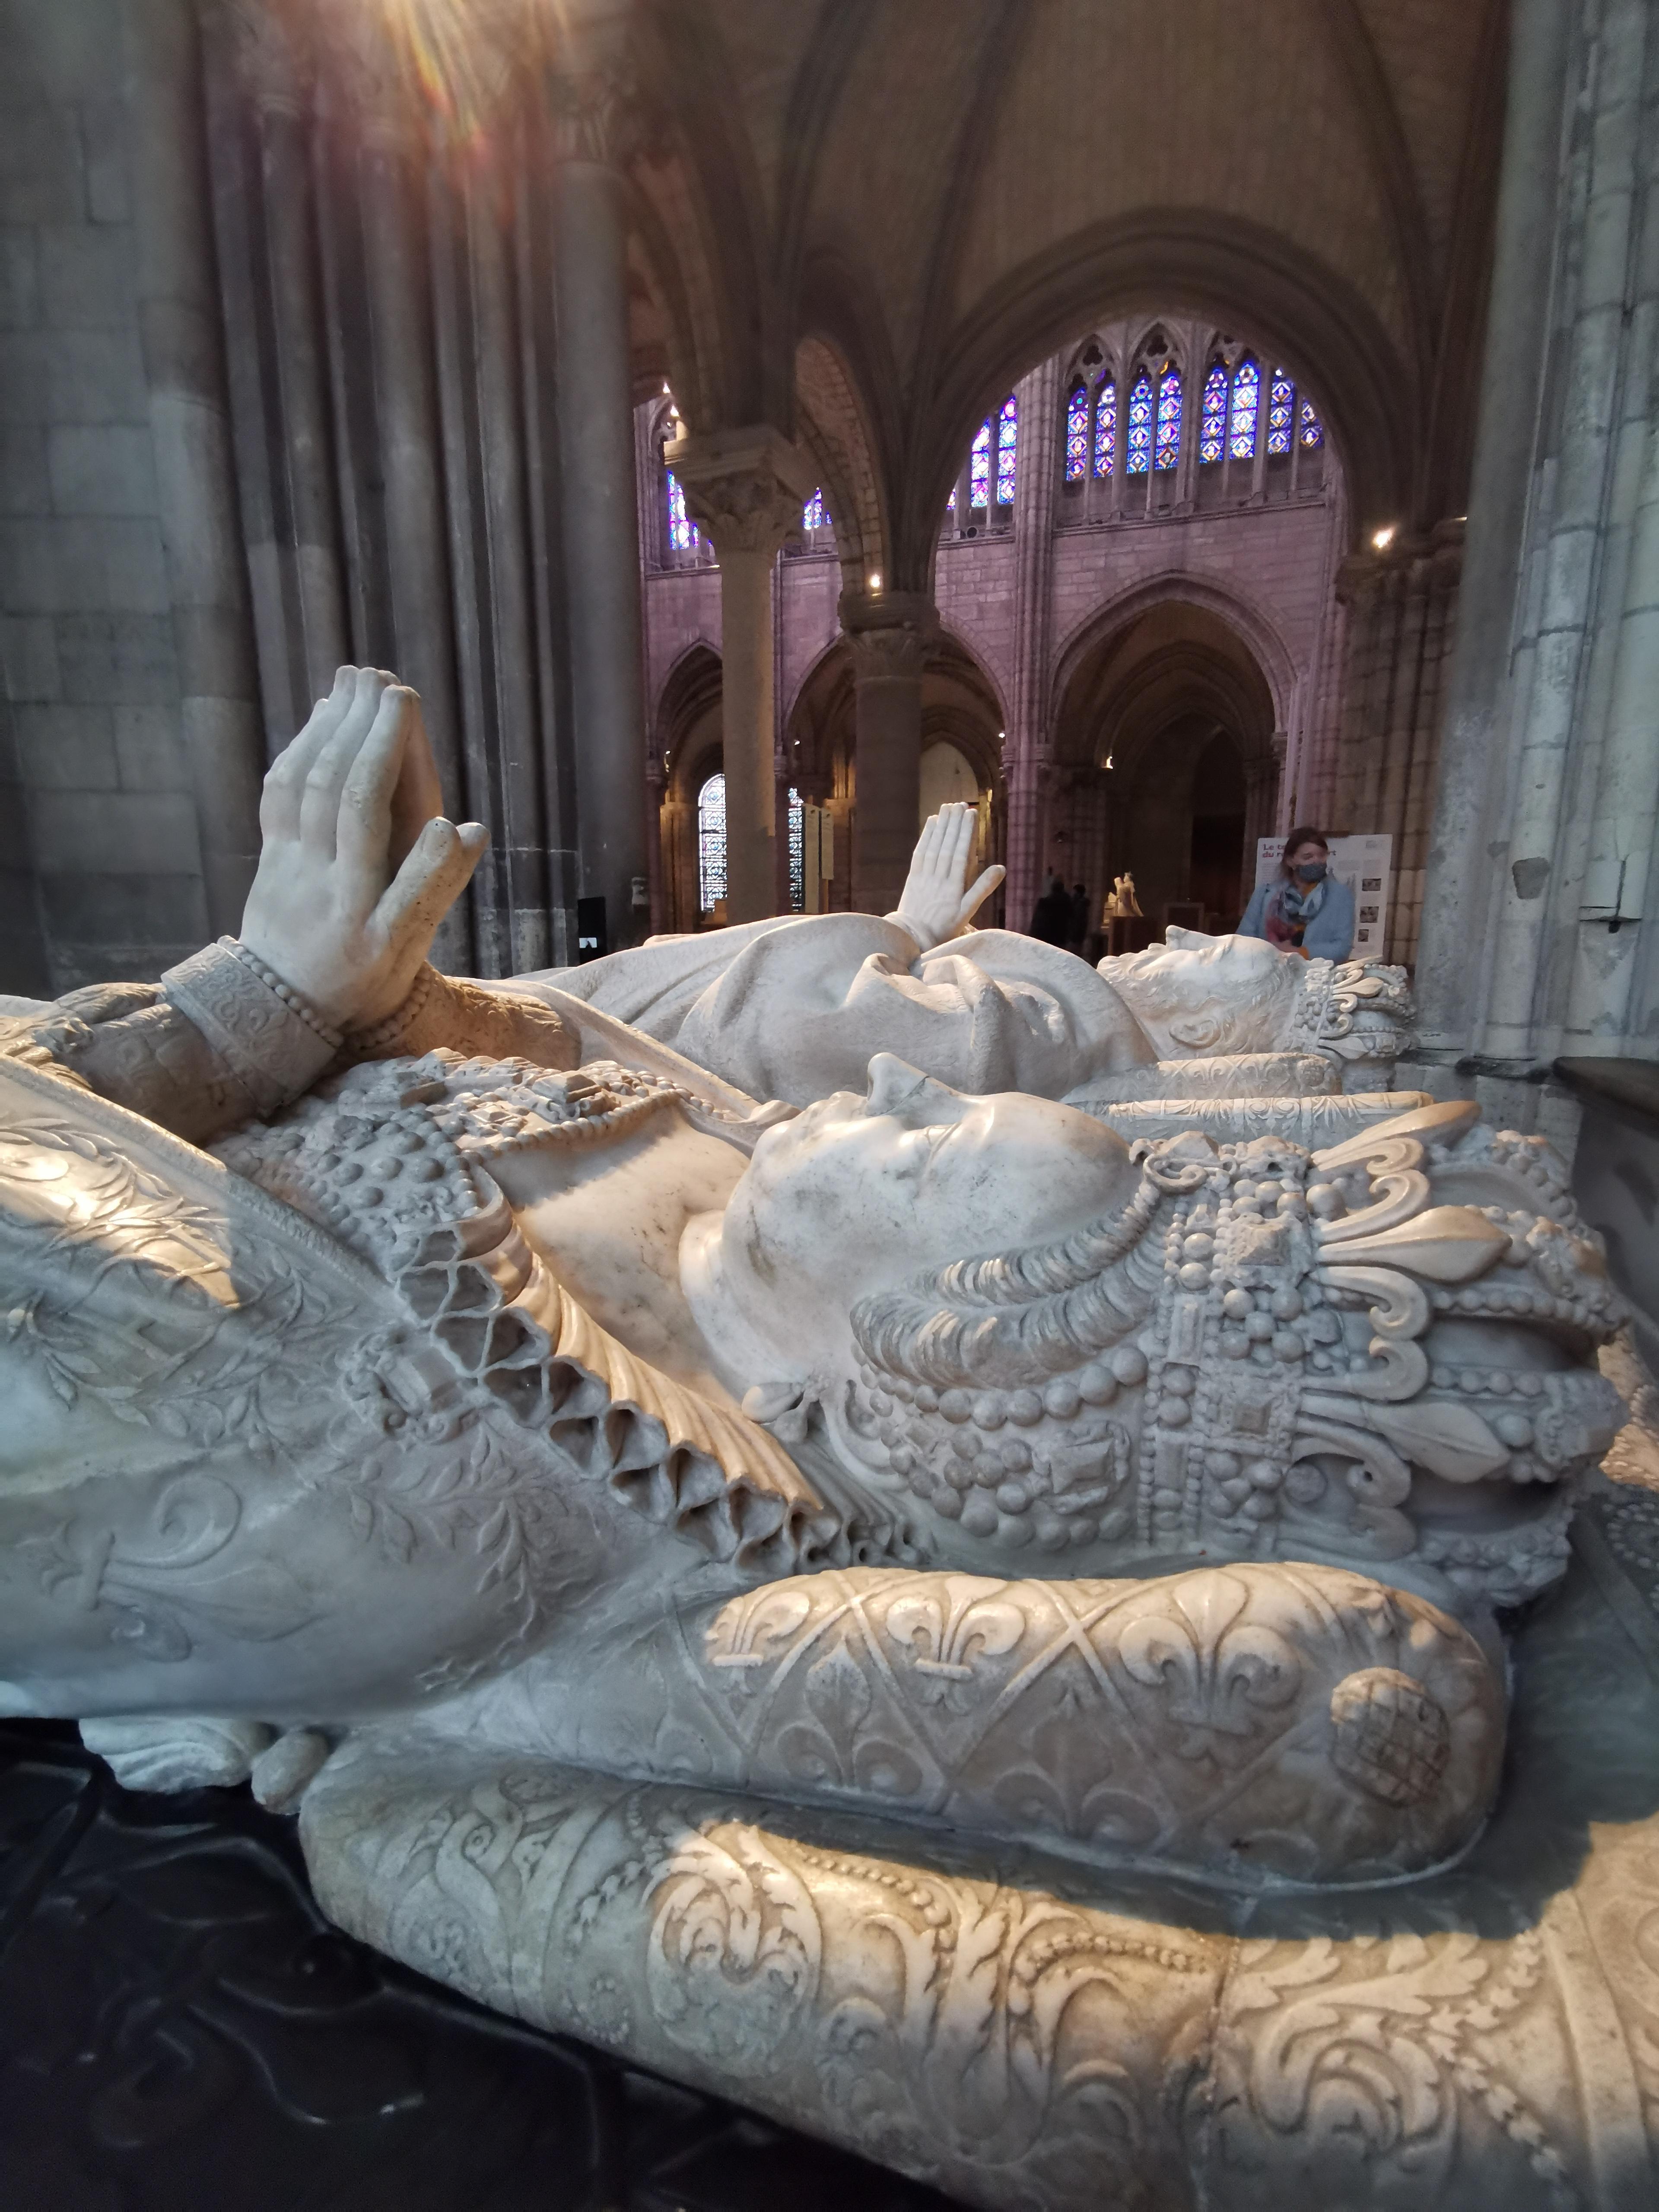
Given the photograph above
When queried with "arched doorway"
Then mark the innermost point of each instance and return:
(1166, 764)
(960, 749)
(690, 738)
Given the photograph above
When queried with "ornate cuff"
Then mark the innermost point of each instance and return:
(464, 1017)
(274, 1044)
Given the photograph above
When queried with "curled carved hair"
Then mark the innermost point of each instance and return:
(1013, 1319)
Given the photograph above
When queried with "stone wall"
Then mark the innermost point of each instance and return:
(100, 865)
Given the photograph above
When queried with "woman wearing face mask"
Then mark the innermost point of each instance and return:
(1307, 910)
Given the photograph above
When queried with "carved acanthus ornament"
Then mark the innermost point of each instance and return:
(891, 633)
(591, 109)
(746, 489)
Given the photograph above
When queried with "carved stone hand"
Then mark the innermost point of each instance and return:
(358, 867)
(933, 905)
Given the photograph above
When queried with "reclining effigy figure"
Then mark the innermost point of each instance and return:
(393, 1362)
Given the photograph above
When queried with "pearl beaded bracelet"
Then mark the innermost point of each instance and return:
(290, 998)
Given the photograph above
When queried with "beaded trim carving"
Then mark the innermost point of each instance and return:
(291, 999)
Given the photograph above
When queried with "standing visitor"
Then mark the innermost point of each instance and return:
(1305, 910)
(1051, 917)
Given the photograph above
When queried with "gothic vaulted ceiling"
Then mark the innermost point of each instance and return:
(861, 220)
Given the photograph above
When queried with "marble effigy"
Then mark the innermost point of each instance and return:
(478, 1419)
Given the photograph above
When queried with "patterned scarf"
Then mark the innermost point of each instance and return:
(1290, 910)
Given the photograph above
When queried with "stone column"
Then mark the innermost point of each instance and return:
(1261, 781)
(1026, 750)
(1510, 913)
(190, 430)
(276, 326)
(489, 488)
(891, 634)
(745, 489)
(592, 118)
(1398, 604)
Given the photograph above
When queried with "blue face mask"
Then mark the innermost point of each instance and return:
(1311, 872)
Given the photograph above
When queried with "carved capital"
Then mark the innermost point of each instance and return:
(745, 487)
(891, 633)
(592, 110)
(365, 75)
(270, 51)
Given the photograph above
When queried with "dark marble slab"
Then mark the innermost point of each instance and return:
(181, 2031)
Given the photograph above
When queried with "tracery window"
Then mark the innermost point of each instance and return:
(1138, 453)
(979, 468)
(1313, 430)
(1281, 412)
(711, 843)
(1213, 414)
(813, 516)
(1076, 433)
(1105, 427)
(1167, 451)
(1007, 450)
(681, 531)
(1246, 407)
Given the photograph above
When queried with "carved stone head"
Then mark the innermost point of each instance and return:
(1381, 1354)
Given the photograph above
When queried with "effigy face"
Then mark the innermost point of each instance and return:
(1236, 996)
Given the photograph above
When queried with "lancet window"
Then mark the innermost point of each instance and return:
(681, 531)
(1166, 451)
(1007, 450)
(1246, 408)
(1105, 427)
(1076, 433)
(978, 467)
(1281, 412)
(711, 843)
(813, 516)
(1138, 452)
(1213, 414)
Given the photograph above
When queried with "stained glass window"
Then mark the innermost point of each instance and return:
(681, 531)
(1007, 442)
(1213, 418)
(1281, 412)
(1247, 404)
(812, 515)
(1077, 435)
(711, 843)
(1168, 450)
(979, 468)
(1313, 430)
(797, 852)
(1138, 452)
(1105, 427)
